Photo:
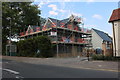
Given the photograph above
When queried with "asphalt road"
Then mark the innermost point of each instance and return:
(13, 69)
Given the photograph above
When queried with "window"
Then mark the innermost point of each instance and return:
(108, 45)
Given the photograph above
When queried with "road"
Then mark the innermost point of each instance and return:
(14, 69)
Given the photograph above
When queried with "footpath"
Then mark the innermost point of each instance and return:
(80, 62)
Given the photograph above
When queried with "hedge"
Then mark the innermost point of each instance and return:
(106, 58)
(37, 47)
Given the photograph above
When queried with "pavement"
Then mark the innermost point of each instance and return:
(81, 63)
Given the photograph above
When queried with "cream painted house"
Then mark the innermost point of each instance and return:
(102, 41)
(115, 20)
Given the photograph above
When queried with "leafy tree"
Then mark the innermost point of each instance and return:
(18, 15)
(21, 13)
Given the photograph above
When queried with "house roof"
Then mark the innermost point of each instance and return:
(34, 28)
(54, 20)
(59, 21)
(103, 35)
(115, 15)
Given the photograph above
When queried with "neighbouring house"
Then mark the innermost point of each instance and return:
(115, 20)
(70, 39)
(101, 41)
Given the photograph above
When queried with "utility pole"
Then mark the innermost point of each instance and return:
(10, 37)
(57, 38)
(10, 34)
(10, 30)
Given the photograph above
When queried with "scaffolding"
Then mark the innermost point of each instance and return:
(70, 39)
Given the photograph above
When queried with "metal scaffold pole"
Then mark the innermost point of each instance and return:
(57, 39)
(64, 43)
(79, 45)
(57, 45)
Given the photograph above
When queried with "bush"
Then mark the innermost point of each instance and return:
(98, 57)
(102, 57)
(44, 46)
(37, 47)
(26, 48)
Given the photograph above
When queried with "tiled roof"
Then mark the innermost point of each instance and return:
(103, 35)
(115, 15)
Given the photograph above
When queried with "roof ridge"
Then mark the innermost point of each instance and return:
(98, 30)
(103, 35)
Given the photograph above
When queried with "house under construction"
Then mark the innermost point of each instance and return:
(69, 37)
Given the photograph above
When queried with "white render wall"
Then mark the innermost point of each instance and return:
(118, 39)
(116, 25)
(96, 40)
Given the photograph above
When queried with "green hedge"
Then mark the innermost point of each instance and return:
(102, 57)
(37, 47)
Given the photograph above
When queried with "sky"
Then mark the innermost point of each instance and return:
(95, 14)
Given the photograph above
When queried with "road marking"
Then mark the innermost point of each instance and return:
(16, 77)
(6, 62)
(19, 77)
(14, 72)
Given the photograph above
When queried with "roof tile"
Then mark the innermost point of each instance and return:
(115, 15)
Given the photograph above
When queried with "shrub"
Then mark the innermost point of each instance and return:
(102, 57)
(25, 48)
(98, 57)
(37, 47)
(44, 46)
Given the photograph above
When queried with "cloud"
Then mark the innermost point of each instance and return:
(66, 0)
(53, 13)
(84, 19)
(42, 3)
(90, 0)
(90, 26)
(97, 16)
(77, 14)
(54, 7)
(62, 10)
(69, 13)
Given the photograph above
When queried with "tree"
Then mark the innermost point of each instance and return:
(20, 14)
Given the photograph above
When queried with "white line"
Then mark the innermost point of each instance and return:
(19, 77)
(6, 62)
(16, 77)
(14, 72)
